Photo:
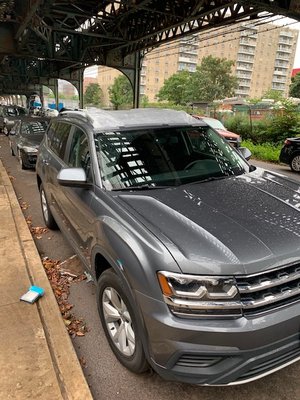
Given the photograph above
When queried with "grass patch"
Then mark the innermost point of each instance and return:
(264, 151)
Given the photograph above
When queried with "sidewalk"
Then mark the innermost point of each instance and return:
(37, 358)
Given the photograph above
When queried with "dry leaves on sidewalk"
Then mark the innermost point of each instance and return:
(60, 283)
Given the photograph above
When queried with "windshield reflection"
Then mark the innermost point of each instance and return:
(165, 157)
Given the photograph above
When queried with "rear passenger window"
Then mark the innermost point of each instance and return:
(58, 136)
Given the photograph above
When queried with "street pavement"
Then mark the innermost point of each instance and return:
(37, 359)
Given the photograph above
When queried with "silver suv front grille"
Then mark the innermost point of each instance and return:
(269, 290)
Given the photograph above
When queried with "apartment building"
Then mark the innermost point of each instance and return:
(263, 55)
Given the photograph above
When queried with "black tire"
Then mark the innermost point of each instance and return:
(47, 214)
(295, 163)
(109, 281)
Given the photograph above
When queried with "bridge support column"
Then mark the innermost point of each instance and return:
(80, 89)
(55, 91)
(134, 76)
(41, 94)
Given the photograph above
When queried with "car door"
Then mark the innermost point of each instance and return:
(74, 202)
(52, 161)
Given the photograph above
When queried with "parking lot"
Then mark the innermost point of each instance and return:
(106, 377)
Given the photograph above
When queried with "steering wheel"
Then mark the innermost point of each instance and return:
(191, 164)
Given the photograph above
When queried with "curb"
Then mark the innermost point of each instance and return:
(68, 371)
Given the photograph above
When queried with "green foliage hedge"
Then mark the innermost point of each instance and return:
(265, 151)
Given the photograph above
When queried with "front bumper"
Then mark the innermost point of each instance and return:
(219, 352)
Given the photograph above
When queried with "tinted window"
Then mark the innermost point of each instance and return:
(34, 128)
(58, 137)
(79, 156)
(165, 156)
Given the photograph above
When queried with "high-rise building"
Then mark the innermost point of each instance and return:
(263, 55)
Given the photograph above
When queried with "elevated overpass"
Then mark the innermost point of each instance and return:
(43, 40)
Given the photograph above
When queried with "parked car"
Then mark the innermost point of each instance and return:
(9, 115)
(183, 238)
(290, 153)
(25, 138)
(233, 138)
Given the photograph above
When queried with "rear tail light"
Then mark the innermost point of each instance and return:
(287, 142)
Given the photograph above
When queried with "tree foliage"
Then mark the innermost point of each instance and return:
(295, 86)
(120, 92)
(93, 95)
(273, 94)
(174, 88)
(212, 80)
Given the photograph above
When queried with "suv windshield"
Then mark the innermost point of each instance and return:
(165, 157)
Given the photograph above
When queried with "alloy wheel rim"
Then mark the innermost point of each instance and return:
(296, 163)
(44, 205)
(118, 321)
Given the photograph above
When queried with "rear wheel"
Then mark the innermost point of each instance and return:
(47, 214)
(295, 163)
(119, 322)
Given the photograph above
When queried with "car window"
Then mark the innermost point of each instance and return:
(79, 155)
(165, 156)
(34, 128)
(58, 136)
(214, 123)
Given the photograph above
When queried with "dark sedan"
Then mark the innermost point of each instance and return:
(290, 154)
(25, 138)
(9, 115)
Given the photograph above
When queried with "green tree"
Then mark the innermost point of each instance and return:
(93, 94)
(120, 92)
(175, 88)
(273, 94)
(295, 86)
(212, 80)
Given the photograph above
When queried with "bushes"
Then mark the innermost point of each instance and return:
(273, 129)
(265, 151)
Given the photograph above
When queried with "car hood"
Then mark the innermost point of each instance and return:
(228, 134)
(237, 225)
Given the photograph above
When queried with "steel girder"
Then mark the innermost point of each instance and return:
(42, 40)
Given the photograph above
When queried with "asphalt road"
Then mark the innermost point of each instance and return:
(106, 377)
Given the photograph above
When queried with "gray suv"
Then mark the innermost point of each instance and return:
(195, 253)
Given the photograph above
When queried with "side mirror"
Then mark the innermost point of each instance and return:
(245, 153)
(73, 177)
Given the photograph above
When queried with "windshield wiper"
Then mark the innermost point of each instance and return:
(145, 186)
(211, 178)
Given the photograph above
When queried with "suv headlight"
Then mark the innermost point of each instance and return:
(194, 295)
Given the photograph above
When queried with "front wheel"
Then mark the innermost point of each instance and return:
(47, 214)
(295, 163)
(119, 322)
